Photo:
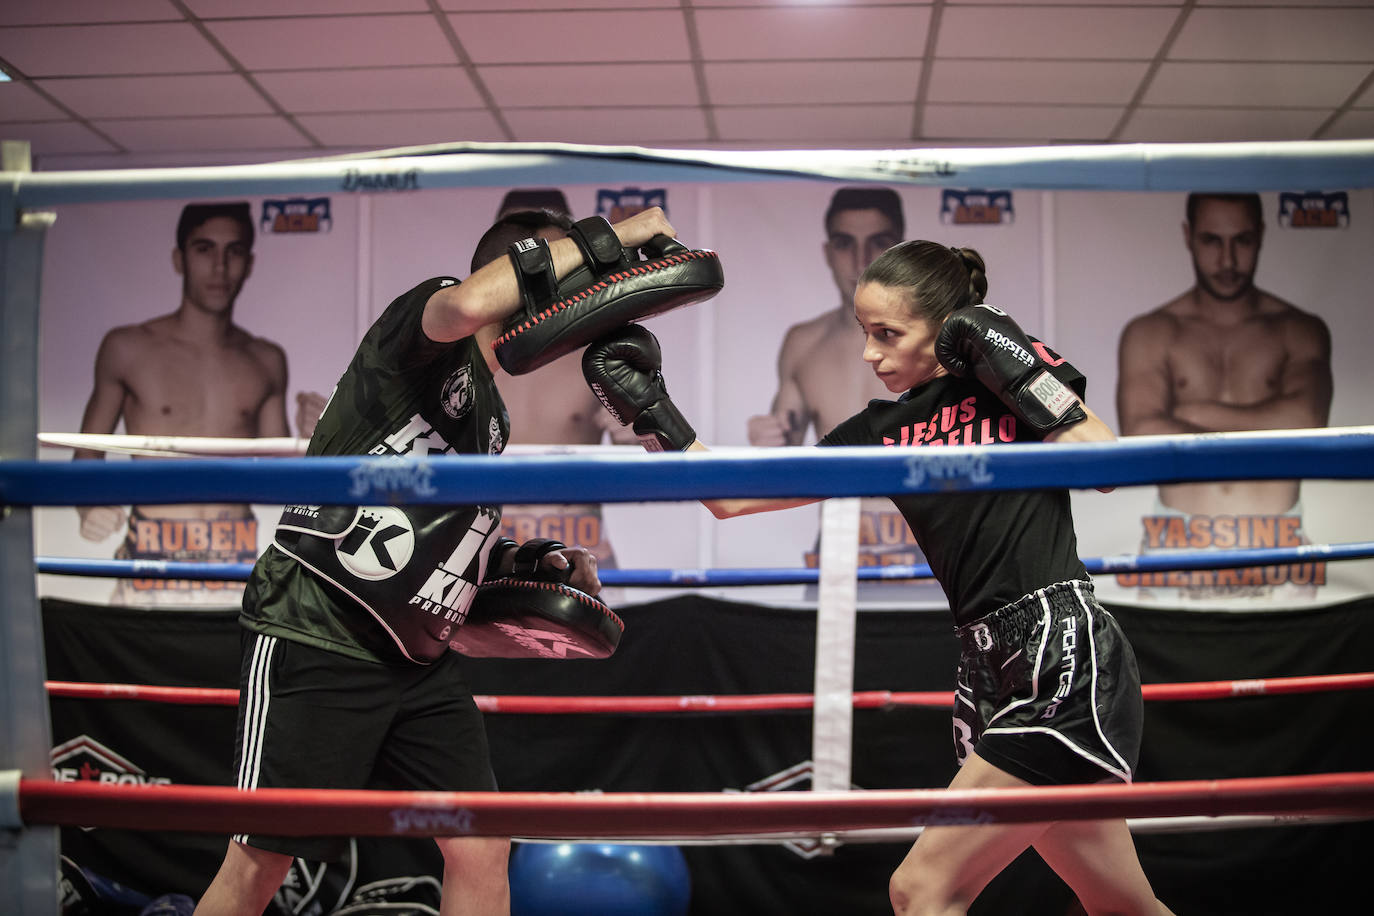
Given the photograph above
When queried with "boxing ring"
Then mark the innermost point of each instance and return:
(32, 806)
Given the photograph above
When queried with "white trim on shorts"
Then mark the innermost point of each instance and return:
(255, 704)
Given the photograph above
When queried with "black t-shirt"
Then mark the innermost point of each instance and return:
(986, 548)
(402, 395)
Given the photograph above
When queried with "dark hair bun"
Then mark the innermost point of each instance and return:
(977, 274)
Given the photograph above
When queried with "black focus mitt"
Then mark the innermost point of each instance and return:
(613, 287)
(518, 618)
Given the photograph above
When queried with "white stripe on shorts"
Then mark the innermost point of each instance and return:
(255, 705)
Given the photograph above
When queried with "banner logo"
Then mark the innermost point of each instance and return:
(455, 821)
(976, 207)
(795, 778)
(1314, 210)
(296, 214)
(392, 478)
(84, 759)
(358, 180)
(622, 204)
(957, 470)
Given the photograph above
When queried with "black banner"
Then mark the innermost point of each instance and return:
(695, 645)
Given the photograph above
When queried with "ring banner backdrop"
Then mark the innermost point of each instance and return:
(695, 645)
(773, 359)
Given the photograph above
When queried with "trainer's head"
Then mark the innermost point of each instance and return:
(860, 224)
(1223, 234)
(534, 199)
(517, 225)
(214, 253)
(933, 279)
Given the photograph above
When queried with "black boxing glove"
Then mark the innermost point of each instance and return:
(623, 370)
(983, 341)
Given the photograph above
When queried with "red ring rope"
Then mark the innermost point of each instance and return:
(766, 702)
(301, 812)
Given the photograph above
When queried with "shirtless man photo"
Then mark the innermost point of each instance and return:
(820, 379)
(1224, 356)
(191, 372)
(818, 385)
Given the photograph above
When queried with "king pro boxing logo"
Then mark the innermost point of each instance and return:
(378, 545)
(450, 588)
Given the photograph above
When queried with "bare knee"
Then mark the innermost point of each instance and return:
(915, 888)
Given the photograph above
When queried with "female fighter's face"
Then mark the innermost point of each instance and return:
(898, 344)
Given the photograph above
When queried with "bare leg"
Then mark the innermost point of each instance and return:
(948, 866)
(245, 883)
(1098, 860)
(476, 882)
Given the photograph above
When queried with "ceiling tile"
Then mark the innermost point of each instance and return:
(1219, 125)
(1259, 84)
(879, 124)
(19, 102)
(710, 3)
(376, 89)
(87, 50)
(1353, 125)
(1276, 34)
(241, 9)
(799, 82)
(1366, 98)
(805, 32)
(1173, 3)
(342, 41)
(203, 133)
(383, 130)
(473, 6)
(1039, 123)
(57, 137)
(1288, 3)
(1090, 33)
(1034, 81)
(590, 84)
(57, 12)
(157, 96)
(595, 36)
(631, 126)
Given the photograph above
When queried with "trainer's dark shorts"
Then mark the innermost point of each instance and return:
(314, 719)
(1048, 690)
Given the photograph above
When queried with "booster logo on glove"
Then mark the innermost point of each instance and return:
(379, 544)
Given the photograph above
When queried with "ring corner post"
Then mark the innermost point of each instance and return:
(28, 855)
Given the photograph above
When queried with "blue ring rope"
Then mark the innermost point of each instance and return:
(672, 578)
(780, 472)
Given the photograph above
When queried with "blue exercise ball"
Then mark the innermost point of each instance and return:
(598, 879)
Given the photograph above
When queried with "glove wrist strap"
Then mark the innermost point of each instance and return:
(495, 556)
(533, 272)
(600, 246)
(663, 428)
(528, 555)
(1047, 403)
